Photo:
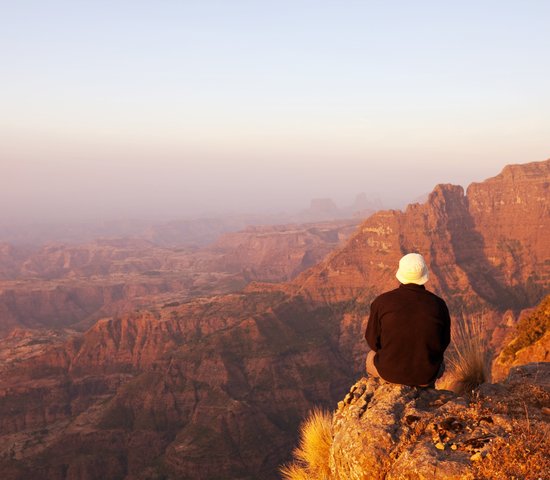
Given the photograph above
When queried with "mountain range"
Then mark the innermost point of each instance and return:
(214, 387)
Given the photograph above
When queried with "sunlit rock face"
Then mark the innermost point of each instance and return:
(528, 342)
(487, 251)
(196, 388)
(493, 242)
(386, 431)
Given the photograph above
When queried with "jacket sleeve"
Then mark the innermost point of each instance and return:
(372, 333)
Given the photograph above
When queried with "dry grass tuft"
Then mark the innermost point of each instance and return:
(294, 472)
(468, 360)
(312, 455)
(522, 456)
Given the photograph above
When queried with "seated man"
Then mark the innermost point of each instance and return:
(409, 329)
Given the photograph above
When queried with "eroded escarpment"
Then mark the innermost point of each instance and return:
(191, 389)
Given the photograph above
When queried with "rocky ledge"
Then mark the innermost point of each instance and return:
(382, 430)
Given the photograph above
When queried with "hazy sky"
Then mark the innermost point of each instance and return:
(128, 108)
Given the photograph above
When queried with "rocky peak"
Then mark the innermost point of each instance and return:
(445, 192)
(486, 250)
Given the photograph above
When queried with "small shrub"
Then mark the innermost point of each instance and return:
(312, 455)
(469, 356)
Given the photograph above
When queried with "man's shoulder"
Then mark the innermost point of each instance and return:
(386, 295)
(437, 300)
(403, 292)
(436, 297)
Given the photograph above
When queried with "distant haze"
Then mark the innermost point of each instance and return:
(169, 109)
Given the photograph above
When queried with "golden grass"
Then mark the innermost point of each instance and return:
(311, 457)
(294, 472)
(468, 360)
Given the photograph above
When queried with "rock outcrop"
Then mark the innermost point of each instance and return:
(387, 431)
(530, 341)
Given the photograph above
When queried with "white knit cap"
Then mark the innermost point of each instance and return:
(412, 269)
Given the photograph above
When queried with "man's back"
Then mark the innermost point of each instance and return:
(409, 328)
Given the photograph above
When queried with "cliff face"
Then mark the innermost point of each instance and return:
(491, 244)
(189, 390)
(487, 251)
(279, 253)
(511, 212)
(193, 390)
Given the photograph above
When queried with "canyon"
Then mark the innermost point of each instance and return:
(205, 368)
(72, 286)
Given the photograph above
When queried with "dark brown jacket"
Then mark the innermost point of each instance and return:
(409, 328)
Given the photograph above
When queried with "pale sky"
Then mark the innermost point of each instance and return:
(128, 108)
